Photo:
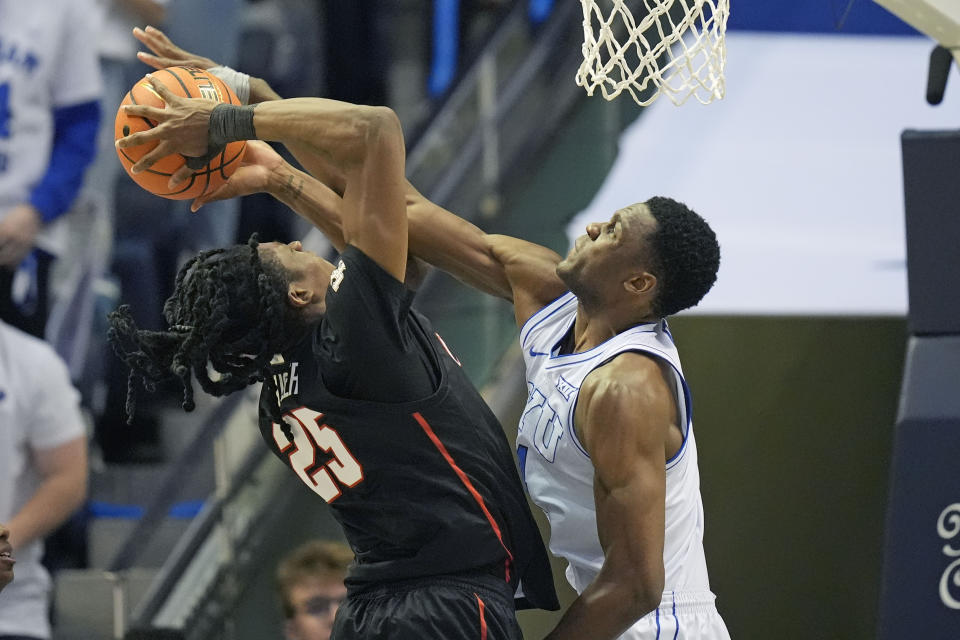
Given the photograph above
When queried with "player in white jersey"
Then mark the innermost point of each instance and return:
(606, 442)
(559, 472)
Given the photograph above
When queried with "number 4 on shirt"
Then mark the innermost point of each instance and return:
(313, 443)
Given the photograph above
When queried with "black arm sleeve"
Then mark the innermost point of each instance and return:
(369, 343)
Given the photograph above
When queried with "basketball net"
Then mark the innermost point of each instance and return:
(676, 48)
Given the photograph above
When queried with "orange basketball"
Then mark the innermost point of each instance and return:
(188, 82)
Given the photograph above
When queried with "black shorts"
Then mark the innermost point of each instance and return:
(475, 607)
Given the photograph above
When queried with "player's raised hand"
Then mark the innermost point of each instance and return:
(182, 126)
(260, 163)
(165, 53)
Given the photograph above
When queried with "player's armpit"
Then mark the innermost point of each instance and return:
(624, 413)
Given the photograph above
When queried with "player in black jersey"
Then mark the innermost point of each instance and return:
(361, 397)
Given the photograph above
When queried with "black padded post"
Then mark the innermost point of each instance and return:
(931, 185)
(920, 595)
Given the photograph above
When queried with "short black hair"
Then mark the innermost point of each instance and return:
(686, 255)
(228, 313)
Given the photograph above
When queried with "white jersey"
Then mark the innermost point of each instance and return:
(559, 474)
(39, 409)
(48, 59)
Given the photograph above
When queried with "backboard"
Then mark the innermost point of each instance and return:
(939, 19)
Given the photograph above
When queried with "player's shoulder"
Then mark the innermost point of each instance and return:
(633, 375)
(630, 395)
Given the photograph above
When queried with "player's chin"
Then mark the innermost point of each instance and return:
(564, 270)
(567, 264)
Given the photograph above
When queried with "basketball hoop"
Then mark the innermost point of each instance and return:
(673, 47)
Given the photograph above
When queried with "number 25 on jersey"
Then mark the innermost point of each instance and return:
(317, 454)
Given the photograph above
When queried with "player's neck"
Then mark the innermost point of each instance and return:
(594, 327)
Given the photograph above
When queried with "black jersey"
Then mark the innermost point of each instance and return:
(423, 484)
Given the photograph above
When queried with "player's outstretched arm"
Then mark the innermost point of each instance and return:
(623, 415)
(506, 267)
(511, 268)
(502, 266)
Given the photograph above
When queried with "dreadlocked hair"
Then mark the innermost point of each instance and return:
(686, 255)
(228, 316)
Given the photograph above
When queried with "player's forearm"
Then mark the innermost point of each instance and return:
(310, 199)
(319, 166)
(340, 132)
(454, 245)
(604, 611)
(57, 497)
(437, 236)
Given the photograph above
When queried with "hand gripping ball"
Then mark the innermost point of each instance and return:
(188, 82)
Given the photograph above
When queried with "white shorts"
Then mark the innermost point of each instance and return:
(682, 615)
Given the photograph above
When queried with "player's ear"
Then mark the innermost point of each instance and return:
(299, 295)
(640, 283)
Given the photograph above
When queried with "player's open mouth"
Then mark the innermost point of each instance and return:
(7, 555)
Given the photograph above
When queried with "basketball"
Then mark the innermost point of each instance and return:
(188, 82)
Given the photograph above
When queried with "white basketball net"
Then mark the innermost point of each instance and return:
(677, 48)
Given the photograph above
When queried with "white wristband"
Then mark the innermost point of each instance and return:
(239, 82)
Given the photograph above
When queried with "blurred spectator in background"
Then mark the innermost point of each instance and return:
(43, 470)
(49, 113)
(310, 584)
